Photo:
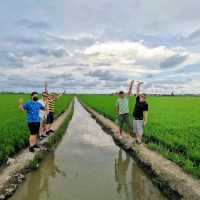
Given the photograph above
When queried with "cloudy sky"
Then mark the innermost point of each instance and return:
(100, 45)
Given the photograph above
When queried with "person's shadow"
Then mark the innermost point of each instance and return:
(121, 169)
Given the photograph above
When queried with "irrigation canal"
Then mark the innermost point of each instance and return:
(87, 165)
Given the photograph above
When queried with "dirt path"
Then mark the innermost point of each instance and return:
(14, 174)
(167, 175)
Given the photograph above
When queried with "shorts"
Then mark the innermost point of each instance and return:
(34, 128)
(123, 119)
(50, 118)
(138, 127)
(42, 122)
(43, 119)
(43, 116)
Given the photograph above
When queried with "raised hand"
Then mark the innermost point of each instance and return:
(141, 82)
(21, 101)
(20, 104)
(130, 88)
(46, 86)
(138, 87)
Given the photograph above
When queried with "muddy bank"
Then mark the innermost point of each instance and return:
(169, 177)
(14, 174)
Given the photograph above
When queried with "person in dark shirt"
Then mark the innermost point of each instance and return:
(140, 114)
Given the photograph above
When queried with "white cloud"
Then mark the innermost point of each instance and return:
(138, 56)
(97, 45)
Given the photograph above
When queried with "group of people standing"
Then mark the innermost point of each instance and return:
(40, 116)
(140, 112)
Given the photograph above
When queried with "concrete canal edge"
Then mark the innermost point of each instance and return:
(24, 162)
(169, 177)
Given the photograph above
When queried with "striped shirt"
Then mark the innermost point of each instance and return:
(51, 103)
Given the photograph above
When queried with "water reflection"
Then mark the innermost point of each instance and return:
(37, 184)
(121, 169)
(131, 182)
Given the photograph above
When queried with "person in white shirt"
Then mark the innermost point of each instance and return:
(122, 110)
(43, 114)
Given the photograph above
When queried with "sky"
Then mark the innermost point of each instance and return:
(99, 46)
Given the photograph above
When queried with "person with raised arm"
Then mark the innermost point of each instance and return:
(122, 110)
(140, 114)
(32, 107)
(51, 101)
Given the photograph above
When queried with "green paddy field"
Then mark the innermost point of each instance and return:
(173, 128)
(13, 127)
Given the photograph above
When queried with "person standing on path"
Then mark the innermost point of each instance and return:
(32, 107)
(140, 114)
(122, 110)
(51, 101)
(43, 114)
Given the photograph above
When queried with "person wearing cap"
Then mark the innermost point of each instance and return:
(122, 110)
(140, 114)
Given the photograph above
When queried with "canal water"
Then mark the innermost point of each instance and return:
(87, 165)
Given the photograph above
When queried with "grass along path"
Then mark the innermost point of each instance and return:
(13, 128)
(173, 128)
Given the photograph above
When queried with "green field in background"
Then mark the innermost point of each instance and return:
(173, 127)
(13, 127)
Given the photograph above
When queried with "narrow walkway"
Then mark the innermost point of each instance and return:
(87, 165)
